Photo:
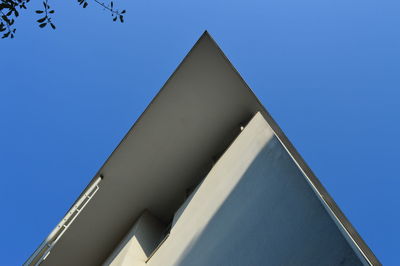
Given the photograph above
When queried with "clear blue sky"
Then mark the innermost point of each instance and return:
(327, 70)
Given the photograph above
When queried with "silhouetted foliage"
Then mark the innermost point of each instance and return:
(10, 10)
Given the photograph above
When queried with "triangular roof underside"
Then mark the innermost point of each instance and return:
(171, 147)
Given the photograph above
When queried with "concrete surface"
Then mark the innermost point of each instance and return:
(255, 207)
(139, 243)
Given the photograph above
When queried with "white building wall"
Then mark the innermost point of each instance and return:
(254, 208)
(138, 244)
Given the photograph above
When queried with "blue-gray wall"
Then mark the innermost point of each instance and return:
(255, 207)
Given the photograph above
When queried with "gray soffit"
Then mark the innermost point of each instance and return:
(170, 148)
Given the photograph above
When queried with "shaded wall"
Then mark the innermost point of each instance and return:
(139, 243)
(255, 208)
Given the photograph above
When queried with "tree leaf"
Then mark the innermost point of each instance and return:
(42, 25)
(41, 20)
(53, 26)
(39, 11)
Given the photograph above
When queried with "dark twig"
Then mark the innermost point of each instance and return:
(114, 12)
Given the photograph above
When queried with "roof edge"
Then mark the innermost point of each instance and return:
(308, 173)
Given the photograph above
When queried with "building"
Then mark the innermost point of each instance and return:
(204, 177)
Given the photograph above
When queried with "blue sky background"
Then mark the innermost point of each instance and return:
(327, 70)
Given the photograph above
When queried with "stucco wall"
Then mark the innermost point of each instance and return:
(255, 208)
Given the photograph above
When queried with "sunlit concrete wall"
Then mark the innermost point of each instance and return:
(255, 208)
(138, 244)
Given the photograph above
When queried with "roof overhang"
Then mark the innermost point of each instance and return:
(169, 149)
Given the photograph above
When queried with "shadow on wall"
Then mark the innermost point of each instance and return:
(139, 243)
(272, 217)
